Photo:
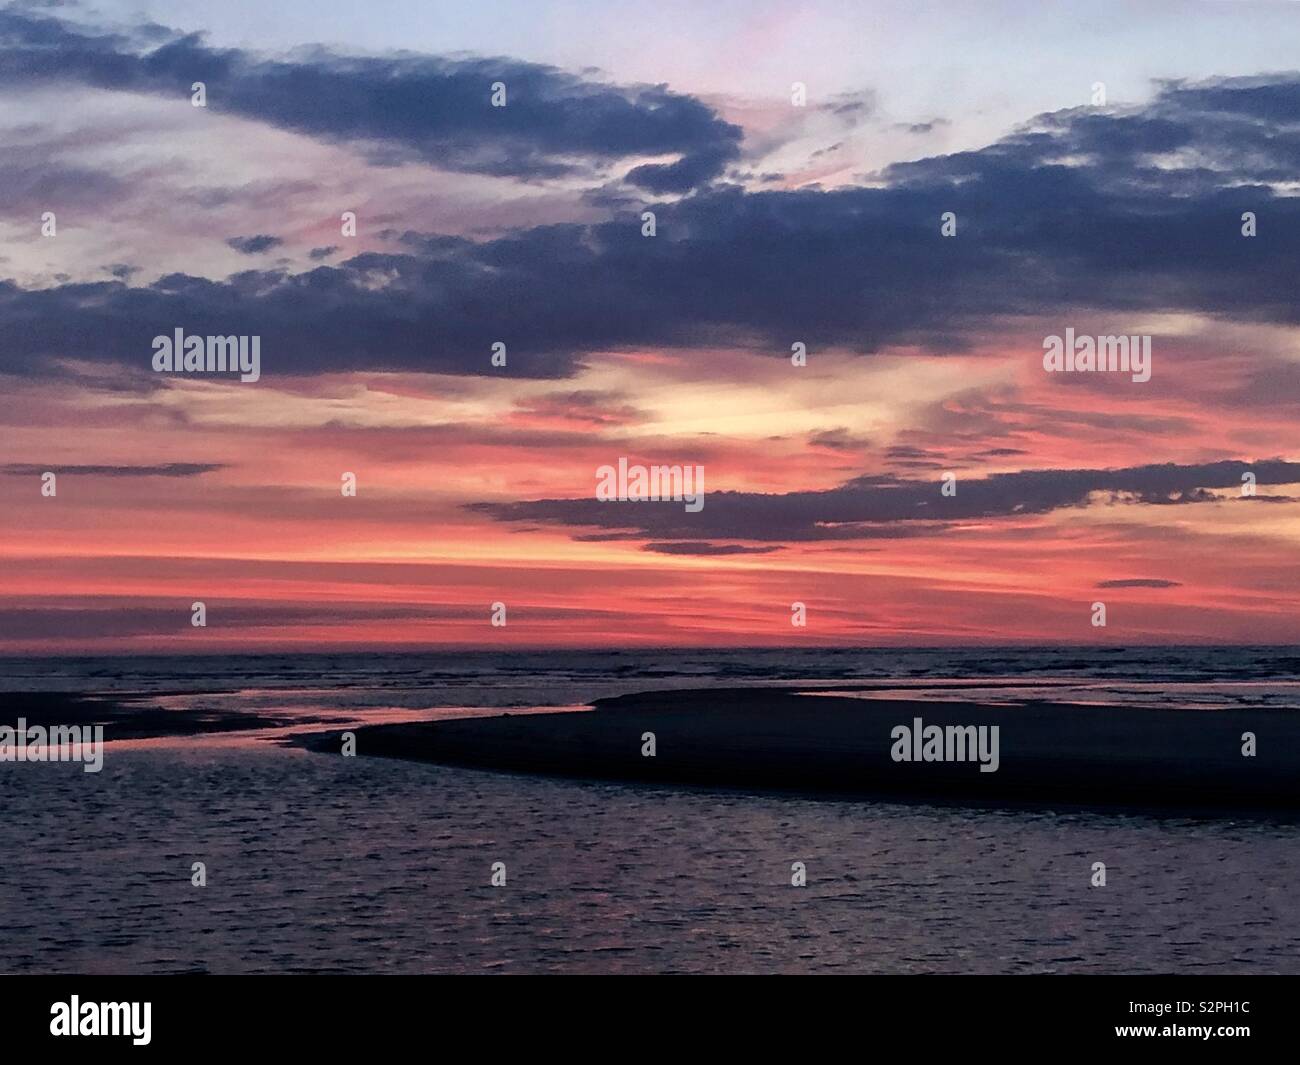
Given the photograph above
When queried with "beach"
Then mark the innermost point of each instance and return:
(619, 863)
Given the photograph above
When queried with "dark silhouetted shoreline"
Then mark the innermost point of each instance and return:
(780, 739)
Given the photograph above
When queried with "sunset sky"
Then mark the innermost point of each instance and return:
(776, 224)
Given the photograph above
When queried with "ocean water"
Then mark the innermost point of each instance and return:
(320, 863)
(1222, 676)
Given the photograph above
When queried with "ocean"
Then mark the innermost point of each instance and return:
(327, 864)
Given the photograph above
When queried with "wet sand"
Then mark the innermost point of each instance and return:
(780, 739)
(122, 717)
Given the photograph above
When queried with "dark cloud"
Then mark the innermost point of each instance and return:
(322, 253)
(95, 617)
(703, 547)
(683, 175)
(922, 127)
(397, 107)
(170, 469)
(255, 245)
(886, 507)
(98, 617)
(839, 440)
(916, 457)
(597, 408)
(1140, 582)
(851, 105)
(1080, 209)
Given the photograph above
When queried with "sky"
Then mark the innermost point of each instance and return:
(867, 222)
